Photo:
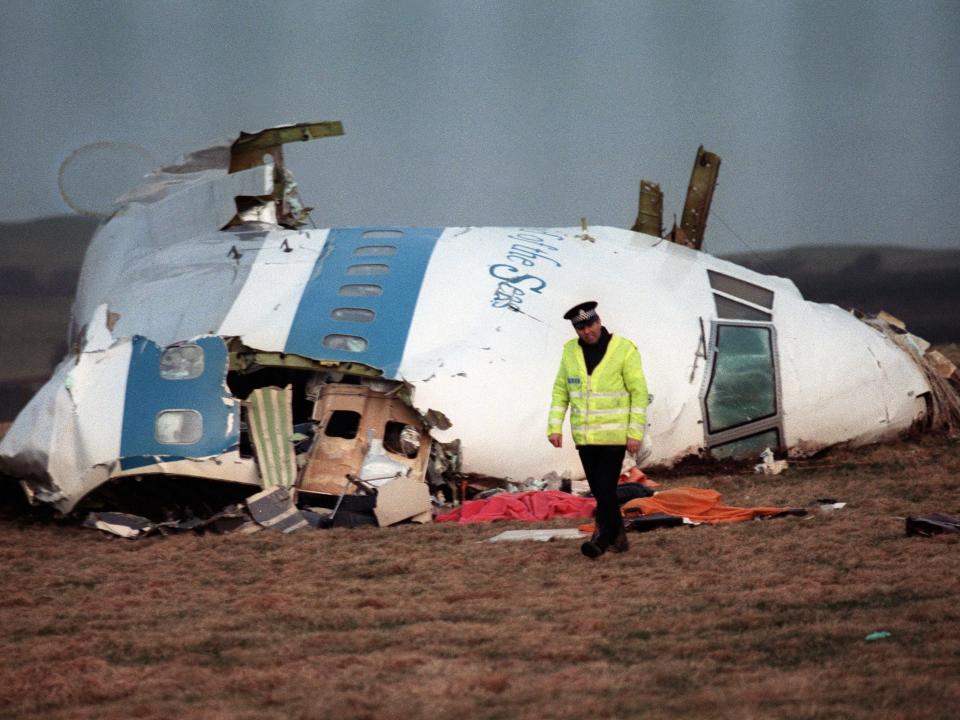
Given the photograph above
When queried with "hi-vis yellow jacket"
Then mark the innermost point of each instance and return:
(606, 407)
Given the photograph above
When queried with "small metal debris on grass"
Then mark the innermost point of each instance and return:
(122, 525)
(931, 524)
(274, 508)
(769, 466)
(542, 535)
(829, 504)
(878, 635)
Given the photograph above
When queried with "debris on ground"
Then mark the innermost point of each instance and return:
(541, 535)
(827, 504)
(932, 524)
(769, 466)
(122, 525)
(273, 508)
(655, 521)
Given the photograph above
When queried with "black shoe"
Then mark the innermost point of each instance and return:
(621, 544)
(592, 550)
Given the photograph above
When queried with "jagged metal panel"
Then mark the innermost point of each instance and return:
(650, 210)
(703, 179)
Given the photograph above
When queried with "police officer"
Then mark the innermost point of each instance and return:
(601, 379)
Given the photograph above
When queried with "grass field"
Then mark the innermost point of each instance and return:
(764, 619)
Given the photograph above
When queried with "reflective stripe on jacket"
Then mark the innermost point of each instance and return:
(607, 407)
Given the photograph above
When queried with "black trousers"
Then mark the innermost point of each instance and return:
(601, 464)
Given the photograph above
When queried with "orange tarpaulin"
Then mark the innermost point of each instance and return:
(697, 504)
(636, 475)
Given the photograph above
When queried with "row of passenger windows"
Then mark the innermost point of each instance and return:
(355, 343)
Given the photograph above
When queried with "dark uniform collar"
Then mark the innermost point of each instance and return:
(593, 354)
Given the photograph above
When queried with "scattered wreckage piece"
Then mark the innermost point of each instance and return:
(273, 508)
(539, 535)
(122, 525)
(768, 465)
(932, 524)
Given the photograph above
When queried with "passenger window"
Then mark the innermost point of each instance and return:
(178, 427)
(360, 290)
(349, 343)
(352, 314)
(375, 250)
(181, 362)
(368, 269)
(743, 384)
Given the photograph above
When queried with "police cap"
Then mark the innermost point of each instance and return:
(582, 315)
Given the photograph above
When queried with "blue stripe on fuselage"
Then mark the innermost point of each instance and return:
(148, 394)
(386, 334)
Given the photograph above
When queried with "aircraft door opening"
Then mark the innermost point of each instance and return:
(741, 404)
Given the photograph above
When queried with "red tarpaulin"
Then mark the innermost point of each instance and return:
(527, 506)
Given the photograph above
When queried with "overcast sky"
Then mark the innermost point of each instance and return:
(837, 122)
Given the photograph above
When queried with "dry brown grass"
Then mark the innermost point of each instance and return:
(755, 620)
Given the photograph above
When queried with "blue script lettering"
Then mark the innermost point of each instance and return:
(529, 249)
(517, 279)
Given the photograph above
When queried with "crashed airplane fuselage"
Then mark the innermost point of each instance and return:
(193, 296)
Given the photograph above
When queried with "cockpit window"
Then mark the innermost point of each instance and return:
(741, 289)
(728, 309)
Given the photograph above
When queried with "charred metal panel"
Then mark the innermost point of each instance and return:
(650, 211)
(703, 179)
(248, 149)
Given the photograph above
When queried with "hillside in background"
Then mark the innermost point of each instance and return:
(921, 287)
(43, 257)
